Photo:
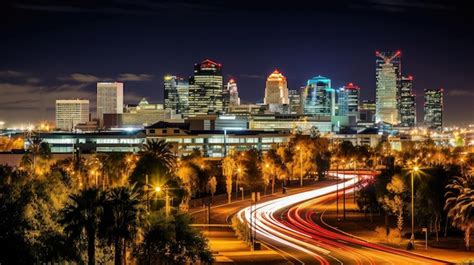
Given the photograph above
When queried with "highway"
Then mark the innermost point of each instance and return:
(293, 226)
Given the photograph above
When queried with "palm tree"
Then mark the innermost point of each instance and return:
(83, 214)
(460, 205)
(188, 174)
(36, 149)
(228, 170)
(123, 218)
(161, 151)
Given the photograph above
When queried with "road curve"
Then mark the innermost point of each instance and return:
(291, 226)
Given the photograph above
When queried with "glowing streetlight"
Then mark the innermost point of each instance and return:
(157, 189)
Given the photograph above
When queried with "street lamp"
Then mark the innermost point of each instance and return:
(167, 199)
(239, 176)
(412, 238)
(344, 197)
(301, 165)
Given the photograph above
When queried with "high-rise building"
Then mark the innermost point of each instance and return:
(388, 75)
(276, 90)
(319, 97)
(367, 110)
(407, 103)
(70, 112)
(234, 99)
(348, 100)
(206, 89)
(342, 107)
(109, 98)
(294, 97)
(353, 96)
(433, 108)
(176, 93)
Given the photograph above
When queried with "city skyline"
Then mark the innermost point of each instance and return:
(141, 60)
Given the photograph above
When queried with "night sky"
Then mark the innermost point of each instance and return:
(59, 49)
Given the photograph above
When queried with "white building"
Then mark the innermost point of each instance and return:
(109, 98)
(70, 112)
(276, 90)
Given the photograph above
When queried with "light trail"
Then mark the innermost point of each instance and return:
(288, 222)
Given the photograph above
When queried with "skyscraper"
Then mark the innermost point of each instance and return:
(348, 100)
(319, 97)
(367, 111)
(176, 91)
(70, 112)
(294, 97)
(433, 108)
(109, 98)
(206, 89)
(407, 103)
(276, 90)
(234, 99)
(388, 75)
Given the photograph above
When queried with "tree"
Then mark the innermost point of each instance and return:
(161, 151)
(272, 166)
(188, 174)
(172, 241)
(124, 215)
(228, 170)
(156, 160)
(83, 214)
(212, 184)
(395, 202)
(36, 155)
(29, 213)
(460, 205)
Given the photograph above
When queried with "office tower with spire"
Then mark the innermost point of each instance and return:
(433, 108)
(407, 103)
(319, 97)
(233, 92)
(388, 78)
(276, 89)
(206, 89)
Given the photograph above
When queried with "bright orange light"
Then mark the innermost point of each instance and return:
(157, 189)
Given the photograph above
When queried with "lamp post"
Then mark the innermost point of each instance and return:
(301, 165)
(344, 198)
(158, 189)
(239, 175)
(412, 238)
(337, 190)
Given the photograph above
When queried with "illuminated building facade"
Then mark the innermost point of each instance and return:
(176, 93)
(109, 98)
(276, 90)
(234, 99)
(206, 89)
(213, 143)
(319, 97)
(388, 77)
(70, 112)
(367, 111)
(294, 97)
(433, 108)
(407, 103)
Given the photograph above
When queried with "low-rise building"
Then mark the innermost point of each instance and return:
(213, 143)
(291, 122)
